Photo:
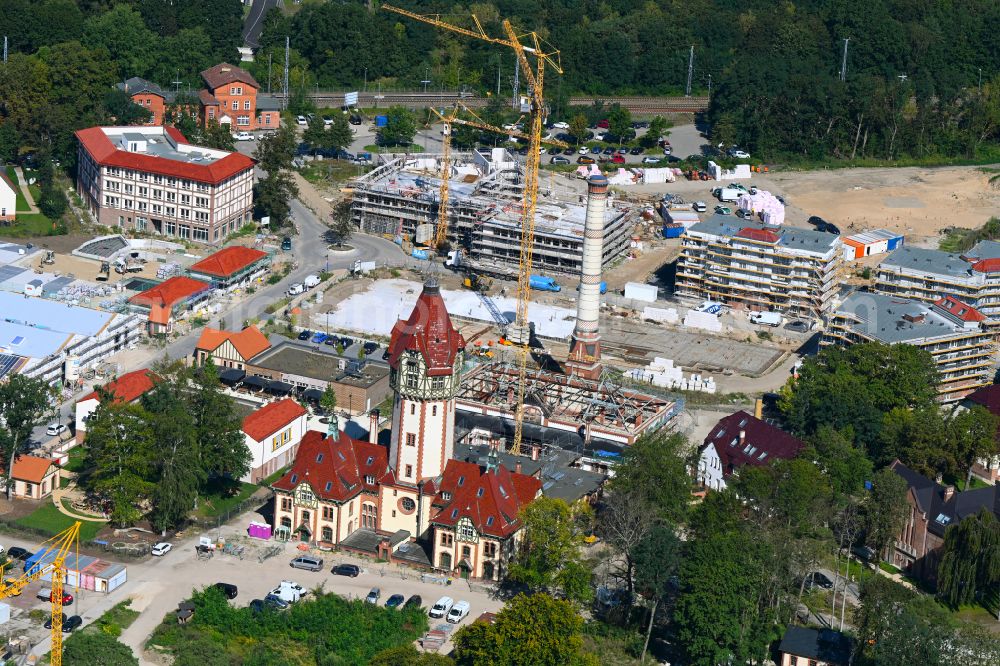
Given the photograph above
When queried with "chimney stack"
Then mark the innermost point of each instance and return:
(743, 437)
(585, 346)
(373, 426)
(517, 467)
(758, 408)
(949, 492)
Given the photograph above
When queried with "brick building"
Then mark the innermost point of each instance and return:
(231, 97)
(149, 96)
(150, 179)
(738, 440)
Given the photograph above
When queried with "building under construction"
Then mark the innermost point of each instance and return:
(593, 409)
(400, 199)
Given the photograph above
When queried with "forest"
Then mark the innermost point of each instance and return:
(921, 81)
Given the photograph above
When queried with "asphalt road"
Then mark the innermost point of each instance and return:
(254, 21)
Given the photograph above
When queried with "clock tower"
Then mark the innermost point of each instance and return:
(426, 353)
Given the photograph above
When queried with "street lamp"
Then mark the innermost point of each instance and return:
(366, 79)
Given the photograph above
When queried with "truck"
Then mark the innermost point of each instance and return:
(296, 289)
(766, 318)
(543, 283)
(311, 281)
(125, 265)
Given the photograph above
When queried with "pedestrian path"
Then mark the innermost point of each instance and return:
(22, 182)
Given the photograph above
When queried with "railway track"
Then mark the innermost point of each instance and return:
(637, 105)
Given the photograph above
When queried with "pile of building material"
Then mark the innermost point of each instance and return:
(655, 176)
(703, 320)
(662, 372)
(762, 202)
(168, 270)
(639, 291)
(660, 315)
(740, 171)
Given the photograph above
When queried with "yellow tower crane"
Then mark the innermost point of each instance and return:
(62, 545)
(544, 57)
(449, 121)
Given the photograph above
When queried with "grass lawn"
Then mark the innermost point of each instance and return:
(331, 171)
(22, 203)
(120, 615)
(29, 224)
(266, 482)
(49, 519)
(217, 502)
(34, 189)
(76, 459)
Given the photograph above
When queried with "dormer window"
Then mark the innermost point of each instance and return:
(479, 493)
(445, 495)
(295, 477)
(371, 459)
(329, 486)
(461, 481)
(369, 479)
(319, 458)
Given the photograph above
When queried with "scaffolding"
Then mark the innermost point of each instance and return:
(602, 408)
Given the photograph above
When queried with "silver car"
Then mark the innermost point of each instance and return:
(307, 562)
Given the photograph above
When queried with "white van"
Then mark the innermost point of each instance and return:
(311, 281)
(766, 318)
(458, 612)
(296, 289)
(441, 607)
(729, 194)
(289, 591)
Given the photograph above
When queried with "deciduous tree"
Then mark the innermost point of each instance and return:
(654, 470)
(970, 558)
(399, 128)
(885, 509)
(23, 404)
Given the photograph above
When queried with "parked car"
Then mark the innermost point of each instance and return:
(307, 562)
(301, 120)
(558, 159)
(318, 338)
(332, 341)
(585, 159)
(288, 591)
(604, 124)
(583, 150)
(458, 612)
(797, 326)
(18, 553)
(56, 429)
(370, 347)
(71, 623)
(228, 589)
(560, 125)
(441, 607)
(351, 570)
(618, 159)
(569, 151)
(161, 549)
(623, 151)
(414, 600)
(296, 289)
(649, 159)
(355, 119)
(373, 595)
(596, 150)
(635, 151)
(45, 594)
(327, 121)
(818, 579)
(243, 136)
(48, 622)
(723, 210)
(394, 601)
(739, 154)
(608, 151)
(257, 606)
(305, 335)
(286, 243)
(347, 342)
(276, 602)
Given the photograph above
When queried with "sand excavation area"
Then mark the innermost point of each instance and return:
(917, 201)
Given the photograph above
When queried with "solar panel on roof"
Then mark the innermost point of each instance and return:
(18, 339)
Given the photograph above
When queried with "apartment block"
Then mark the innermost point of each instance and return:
(758, 267)
(151, 180)
(401, 198)
(926, 275)
(952, 331)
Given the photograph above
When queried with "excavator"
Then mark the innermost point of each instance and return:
(105, 271)
(477, 283)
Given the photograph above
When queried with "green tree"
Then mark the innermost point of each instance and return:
(96, 648)
(578, 127)
(885, 509)
(974, 434)
(970, 558)
(121, 450)
(657, 559)
(657, 130)
(845, 464)
(328, 401)
(219, 427)
(24, 402)
(399, 129)
(534, 630)
(122, 32)
(276, 150)
(654, 469)
(549, 554)
(619, 122)
(217, 136)
(339, 136)
(341, 222)
(315, 133)
(272, 193)
(868, 379)
(122, 110)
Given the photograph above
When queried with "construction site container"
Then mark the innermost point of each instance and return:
(641, 292)
(673, 230)
(686, 218)
(865, 244)
(83, 571)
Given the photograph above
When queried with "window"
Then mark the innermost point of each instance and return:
(327, 533)
(466, 530)
(267, 119)
(328, 512)
(466, 552)
(489, 521)
(446, 496)
(211, 113)
(246, 105)
(286, 503)
(437, 383)
(434, 410)
(408, 505)
(411, 439)
(490, 549)
(243, 120)
(236, 90)
(368, 516)
(186, 199)
(479, 492)
(942, 519)
(413, 409)
(447, 538)
(369, 479)
(409, 472)
(236, 105)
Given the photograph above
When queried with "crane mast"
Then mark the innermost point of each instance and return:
(535, 78)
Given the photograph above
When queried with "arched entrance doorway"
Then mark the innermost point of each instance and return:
(488, 570)
(464, 569)
(446, 561)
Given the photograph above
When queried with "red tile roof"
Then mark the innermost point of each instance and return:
(269, 419)
(959, 310)
(429, 331)
(492, 500)
(31, 469)
(224, 74)
(761, 442)
(129, 387)
(987, 266)
(170, 292)
(249, 342)
(761, 235)
(227, 261)
(988, 397)
(207, 99)
(105, 153)
(335, 468)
